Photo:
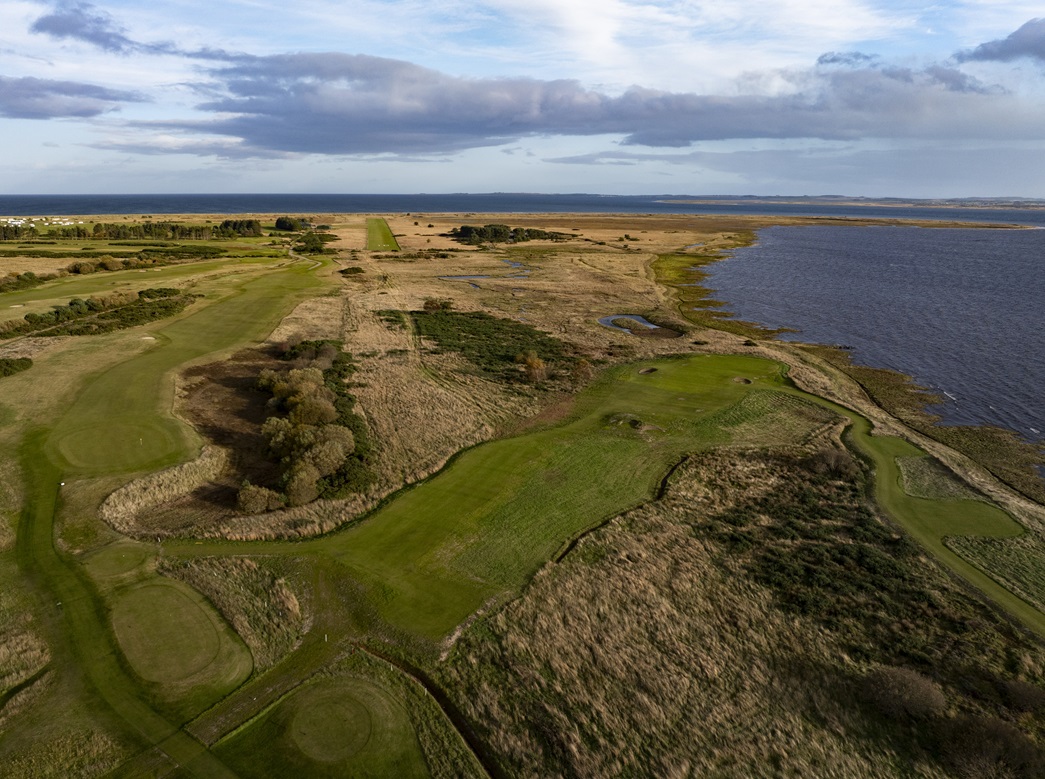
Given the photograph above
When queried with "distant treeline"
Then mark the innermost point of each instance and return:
(166, 231)
(496, 233)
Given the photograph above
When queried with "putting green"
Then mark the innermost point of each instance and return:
(166, 635)
(347, 726)
(120, 444)
(332, 726)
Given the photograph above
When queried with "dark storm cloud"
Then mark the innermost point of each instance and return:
(37, 98)
(330, 103)
(1028, 41)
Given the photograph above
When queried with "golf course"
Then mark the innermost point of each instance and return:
(414, 475)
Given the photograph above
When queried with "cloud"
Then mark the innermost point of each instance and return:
(331, 103)
(846, 58)
(81, 21)
(36, 98)
(84, 22)
(1027, 41)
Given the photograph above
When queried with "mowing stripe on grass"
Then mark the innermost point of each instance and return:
(379, 236)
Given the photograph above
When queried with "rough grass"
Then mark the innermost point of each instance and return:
(661, 646)
(1017, 563)
(260, 605)
(927, 477)
(156, 489)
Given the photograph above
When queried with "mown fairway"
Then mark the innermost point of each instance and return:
(379, 236)
(488, 522)
(930, 521)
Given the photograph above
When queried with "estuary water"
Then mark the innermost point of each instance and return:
(962, 311)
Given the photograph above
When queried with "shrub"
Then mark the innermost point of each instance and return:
(988, 747)
(900, 693)
(12, 365)
(253, 499)
(432, 304)
(1023, 696)
(301, 484)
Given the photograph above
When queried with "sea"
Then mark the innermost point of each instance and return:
(498, 202)
(962, 311)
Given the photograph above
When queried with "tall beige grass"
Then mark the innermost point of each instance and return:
(121, 507)
(644, 654)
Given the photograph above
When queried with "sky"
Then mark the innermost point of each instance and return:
(874, 98)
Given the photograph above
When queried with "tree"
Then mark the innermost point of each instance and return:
(312, 244)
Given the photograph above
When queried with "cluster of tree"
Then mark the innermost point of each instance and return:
(497, 233)
(242, 227)
(10, 232)
(314, 433)
(104, 314)
(290, 224)
(313, 242)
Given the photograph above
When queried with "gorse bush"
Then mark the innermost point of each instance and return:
(9, 366)
(96, 315)
(499, 347)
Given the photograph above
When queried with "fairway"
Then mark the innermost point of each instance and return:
(379, 236)
(487, 523)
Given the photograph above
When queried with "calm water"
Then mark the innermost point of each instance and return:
(44, 205)
(963, 311)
